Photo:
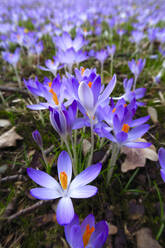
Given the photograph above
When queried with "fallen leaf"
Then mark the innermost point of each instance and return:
(136, 157)
(112, 229)
(4, 123)
(153, 114)
(86, 147)
(9, 138)
(144, 239)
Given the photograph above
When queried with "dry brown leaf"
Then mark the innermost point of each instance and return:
(136, 157)
(144, 239)
(9, 138)
(153, 114)
(4, 123)
(86, 147)
(112, 229)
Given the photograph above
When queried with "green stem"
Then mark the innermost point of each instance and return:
(74, 155)
(70, 154)
(111, 65)
(102, 76)
(18, 78)
(45, 159)
(112, 162)
(92, 144)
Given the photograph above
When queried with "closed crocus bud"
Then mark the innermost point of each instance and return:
(37, 138)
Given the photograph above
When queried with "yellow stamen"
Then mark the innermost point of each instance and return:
(55, 98)
(82, 71)
(87, 234)
(90, 84)
(50, 84)
(18, 36)
(125, 128)
(113, 111)
(63, 180)
(85, 30)
(26, 30)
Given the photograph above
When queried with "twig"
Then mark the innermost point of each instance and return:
(11, 178)
(13, 89)
(27, 210)
(106, 154)
(49, 149)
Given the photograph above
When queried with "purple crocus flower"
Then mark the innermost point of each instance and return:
(39, 47)
(64, 121)
(161, 155)
(37, 138)
(52, 65)
(12, 58)
(90, 95)
(51, 189)
(53, 92)
(101, 56)
(123, 136)
(130, 94)
(87, 234)
(136, 68)
(111, 50)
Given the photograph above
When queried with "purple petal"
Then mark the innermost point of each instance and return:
(86, 96)
(68, 228)
(36, 107)
(100, 234)
(89, 220)
(108, 90)
(162, 172)
(86, 176)
(139, 121)
(138, 144)
(43, 179)
(96, 87)
(45, 193)
(65, 211)
(138, 132)
(83, 192)
(64, 164)
(161, 155)
(121, 137)
(76, 239)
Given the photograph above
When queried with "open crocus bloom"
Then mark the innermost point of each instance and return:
(161, 154)
(66, 190)
(88, 234)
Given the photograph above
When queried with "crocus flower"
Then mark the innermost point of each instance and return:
(101, 56)
(161, 155)
(130, 94)
(37, 138)
(52, 65)
(12, 58)
(51, 189)
(111, 50)
(87, 234)
(136, 68)
(123, 136)
(65, 42)
(53, 92)
(90, 95)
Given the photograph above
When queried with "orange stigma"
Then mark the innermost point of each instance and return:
(113, 111)
(125, 128)
(82, 71)
(87, 234)
(90, 84)
(63, 180)
(125, 105)
(26, 30)
(55, 98)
